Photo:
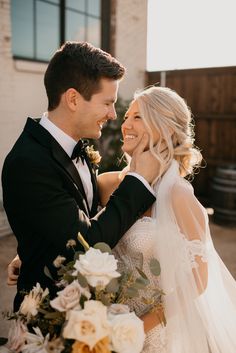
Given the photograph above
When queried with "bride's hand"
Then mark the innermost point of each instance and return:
(13, 271)
(152, 319)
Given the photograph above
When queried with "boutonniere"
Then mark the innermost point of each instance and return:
(94, 156)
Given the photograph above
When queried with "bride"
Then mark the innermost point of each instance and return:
(200, 293)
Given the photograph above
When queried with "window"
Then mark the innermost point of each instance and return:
(39, 27)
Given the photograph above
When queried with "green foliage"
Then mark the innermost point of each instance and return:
(109, 144)
(103, 247)
(155, 267)
(47, 272)
(113, 286)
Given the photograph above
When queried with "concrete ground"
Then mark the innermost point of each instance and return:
(224, 239)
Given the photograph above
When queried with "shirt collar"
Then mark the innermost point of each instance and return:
(64, 140)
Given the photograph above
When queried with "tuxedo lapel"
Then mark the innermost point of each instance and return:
(59, 155)
(94, 183)
(64, 160)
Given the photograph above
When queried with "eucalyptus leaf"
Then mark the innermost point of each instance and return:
(103, 247)
(132, 292)
(53, 315)
(155, 267)
(105, 300)
(113, 286)
(141, 282)
(47, 272)
(62, 271)
(68, 278)
(142, 274)
(77, 255)
(43, 311)
(82, 280)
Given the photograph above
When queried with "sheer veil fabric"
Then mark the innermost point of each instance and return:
(200, 293)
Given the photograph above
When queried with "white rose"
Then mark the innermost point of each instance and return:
(69, 297)
(31, 302)
(127, 333)
(89, 325)
(97, 267)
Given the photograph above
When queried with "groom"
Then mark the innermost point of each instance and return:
(49, 188)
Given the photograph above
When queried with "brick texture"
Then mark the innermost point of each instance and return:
(131, 43)
(21, 88)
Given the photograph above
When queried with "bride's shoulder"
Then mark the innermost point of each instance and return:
(182, 187)
(185, 204)
(182, 193)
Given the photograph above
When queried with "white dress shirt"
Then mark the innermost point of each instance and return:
(68, 144)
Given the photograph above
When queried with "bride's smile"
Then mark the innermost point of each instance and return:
(133, 128)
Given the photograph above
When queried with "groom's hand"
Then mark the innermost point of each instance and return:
(143, 162)
(13, 271)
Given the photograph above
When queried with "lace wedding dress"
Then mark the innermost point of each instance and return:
(139, 239)
(200, 293)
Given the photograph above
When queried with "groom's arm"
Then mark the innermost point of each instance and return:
(38, 203)
(127, 203)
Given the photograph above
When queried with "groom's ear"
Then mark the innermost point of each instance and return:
(71, 98)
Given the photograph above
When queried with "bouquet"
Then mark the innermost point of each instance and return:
(89, 313)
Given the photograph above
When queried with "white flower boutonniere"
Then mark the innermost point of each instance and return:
(94, 156)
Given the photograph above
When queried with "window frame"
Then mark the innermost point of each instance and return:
(104, 29)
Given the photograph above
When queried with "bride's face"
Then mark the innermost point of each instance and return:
(133, 129)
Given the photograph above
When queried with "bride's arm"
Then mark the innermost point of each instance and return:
(109, 182)
(152, 319)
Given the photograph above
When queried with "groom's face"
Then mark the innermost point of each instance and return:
(93, 114)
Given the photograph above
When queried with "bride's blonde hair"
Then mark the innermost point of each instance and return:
(163, 110)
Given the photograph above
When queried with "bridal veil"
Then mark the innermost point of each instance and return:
(200, 293)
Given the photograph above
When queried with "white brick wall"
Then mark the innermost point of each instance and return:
(21, 88)
(131, 43)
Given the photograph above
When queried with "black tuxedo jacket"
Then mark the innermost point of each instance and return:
(46, 205)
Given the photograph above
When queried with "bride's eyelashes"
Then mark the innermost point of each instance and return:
(135, 117)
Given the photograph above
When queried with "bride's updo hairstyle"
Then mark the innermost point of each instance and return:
(163, 110)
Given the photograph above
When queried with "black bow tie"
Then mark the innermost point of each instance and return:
(79, 151)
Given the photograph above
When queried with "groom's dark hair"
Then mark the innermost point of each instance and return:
(79, 65)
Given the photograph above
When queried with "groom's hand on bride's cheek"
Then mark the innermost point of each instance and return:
(143, 162)
(13, 271)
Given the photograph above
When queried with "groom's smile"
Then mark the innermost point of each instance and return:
(93, 114)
